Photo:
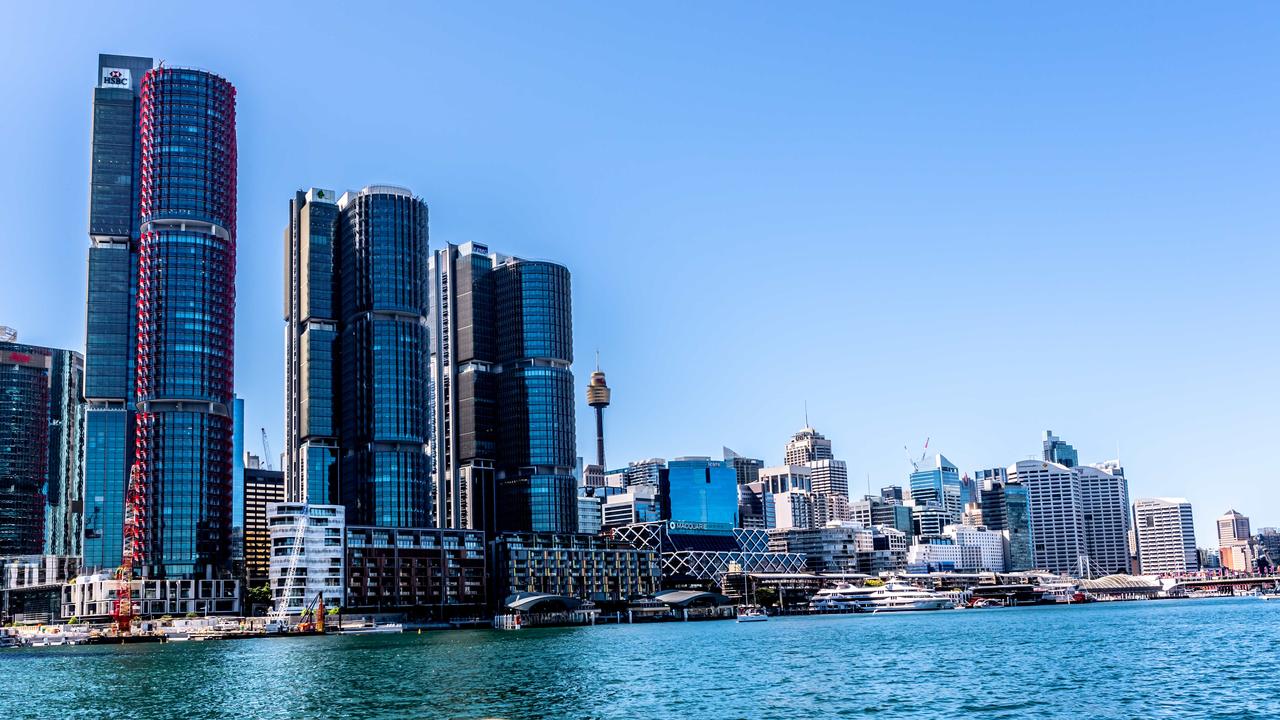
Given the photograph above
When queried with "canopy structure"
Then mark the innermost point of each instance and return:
(691, 598)
(530, 602)
(1121, 584)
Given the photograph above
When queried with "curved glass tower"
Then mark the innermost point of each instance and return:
(383, 398)
(186, 312)
(537, 442)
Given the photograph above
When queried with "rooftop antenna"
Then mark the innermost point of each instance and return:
(597, 359)
(806, 413)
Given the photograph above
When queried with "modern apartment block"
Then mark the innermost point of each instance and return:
(357, 404)
(317, 569)
(41, 441)
(111, 310)
(502, 346)
(590, 567)
(431, 573)
(1166, 536)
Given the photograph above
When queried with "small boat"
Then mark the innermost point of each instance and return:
(751, 613)
(372, 629)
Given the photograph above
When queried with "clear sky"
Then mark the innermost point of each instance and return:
(971, 224)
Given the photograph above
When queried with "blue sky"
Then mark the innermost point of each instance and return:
(971, 224)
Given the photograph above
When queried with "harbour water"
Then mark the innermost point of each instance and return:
(1215, 658)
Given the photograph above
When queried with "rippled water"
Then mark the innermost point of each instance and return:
(1196, 658)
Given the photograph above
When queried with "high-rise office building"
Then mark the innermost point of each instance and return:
(502, 346)
(1233, 529)
(111, 327)
(1058, 451)
(186, 318)
(747, 469)
(1166, 536)
(261, 487)
(1057, 518)
(1104, 498)
(700, 490)
(830, 477)
(357, 391)
(41, 426)
(806, 446)
(1006, 508)
(311, 334)
(939, 485)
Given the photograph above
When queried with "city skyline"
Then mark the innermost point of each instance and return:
(1182, 388)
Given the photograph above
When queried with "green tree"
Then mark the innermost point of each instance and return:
(259, 595)
(767, 597)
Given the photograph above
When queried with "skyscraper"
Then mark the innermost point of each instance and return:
(311, 333)
(111, 328)
(939, 484)
(806, 446)
(1006, 508)
(358, 394)
(1166, 536)
(747, 469)
(1057, 451)
(1057, 520)
(502, 346)
(185, 319)
(41, 424)
(1104, 498)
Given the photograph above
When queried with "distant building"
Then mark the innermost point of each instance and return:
(785, 478)
(876, 511)
(755, 506)
(747, 469)
(807, 446)
(319, 567)
(830, 477)
(1210, 559)
(990, 544)
(1268, 540)
(1166, 536)
(31, 586)
(92, 598)
(696, 552)
(262, 488)
(942, 555)
(1057, 451)
(699, 489)
(893, 494)
(41, 443)
(640, 503)
(643, 472)
(590, 514)
(587, 567)
(1006, 508)
(1233, 529)
(939, 485)
(846, 547)
(793, 509)
(429, 573)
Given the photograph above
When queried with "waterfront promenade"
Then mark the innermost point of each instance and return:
(1194, 658)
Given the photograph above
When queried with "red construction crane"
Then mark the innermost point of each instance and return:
(135, 549)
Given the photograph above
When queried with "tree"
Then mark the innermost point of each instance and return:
(767, 597)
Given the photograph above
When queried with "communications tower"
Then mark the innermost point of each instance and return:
(598, 398)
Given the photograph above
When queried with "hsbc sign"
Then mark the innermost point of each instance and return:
(116, 78)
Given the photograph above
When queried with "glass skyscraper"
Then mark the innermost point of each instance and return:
(41, 423)
(940, 485)
(700, 490)
(111, 325)
(357, 387)
(185, 321)
(502, 346)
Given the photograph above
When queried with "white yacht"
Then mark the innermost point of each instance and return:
(901, 597)
(841, 598)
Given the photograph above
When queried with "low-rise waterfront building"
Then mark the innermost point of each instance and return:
(845, 547)
(941, 555)
(428, 573)
(586, 567)
(705, 552)
(31, 587)
(92, 598)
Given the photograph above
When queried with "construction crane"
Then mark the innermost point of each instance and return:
(315, 611)
(135, 549)
(266, 451)
(915, 464)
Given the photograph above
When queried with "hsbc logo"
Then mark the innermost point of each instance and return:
(116, 78)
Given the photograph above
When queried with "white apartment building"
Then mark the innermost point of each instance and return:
(1104, 497)
(319, 566)
(785, 478)
(990, 544)
(1057, 517)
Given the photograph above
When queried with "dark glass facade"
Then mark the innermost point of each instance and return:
(700, 490)
(381, 378)
(502, 345)
(537, 444)
(111, 327)
(41, 441)
(311, 336)
(186, 312)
